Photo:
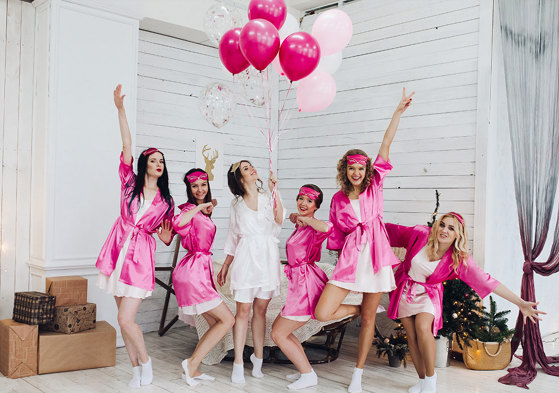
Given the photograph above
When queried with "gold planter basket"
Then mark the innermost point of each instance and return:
(487, 355)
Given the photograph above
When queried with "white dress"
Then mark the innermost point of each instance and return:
(365, 278)
(253, 241)
(111, 284)
(418, 300)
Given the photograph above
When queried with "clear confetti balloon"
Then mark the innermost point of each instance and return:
(219, 19)
(253, 86)
(217, 104)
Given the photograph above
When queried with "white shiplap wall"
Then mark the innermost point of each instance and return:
(430, 47)
(16, 113)
(171, 74)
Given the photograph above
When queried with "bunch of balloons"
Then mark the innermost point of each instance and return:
(272, 36)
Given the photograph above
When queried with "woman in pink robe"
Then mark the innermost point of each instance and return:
(434, 255)
(306, 282)
(127, 260)
(193, 278)
(365, 258)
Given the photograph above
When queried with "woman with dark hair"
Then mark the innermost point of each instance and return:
(193, 278)
(306, 282)
(127, 259)
(252, 251)
(434, 255)
(365, 258)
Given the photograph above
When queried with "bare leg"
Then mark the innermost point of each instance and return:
(426, 341)
(367, 332)
(409, 325)
(240, 330)
(330, 307)
(131, 332)
(223, 321)
(282, 334)
(210, 320)
(258, 325)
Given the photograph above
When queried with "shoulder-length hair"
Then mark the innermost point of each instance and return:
(459, 251)
(343, 180)
(234, 180)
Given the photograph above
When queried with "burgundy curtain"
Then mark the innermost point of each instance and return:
(530, 38)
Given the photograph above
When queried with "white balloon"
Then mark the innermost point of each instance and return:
(290, 26)
(219, 19)
(217, 103)
(253, 86)
(330, 63)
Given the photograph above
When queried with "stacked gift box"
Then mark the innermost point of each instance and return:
(55, 331)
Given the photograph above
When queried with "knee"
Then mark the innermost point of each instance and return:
(322, 315)
(229, 322)
(259, 310)
(368, 321)
(276, 337)
(243, 313)
(124, 322)
(423, 330)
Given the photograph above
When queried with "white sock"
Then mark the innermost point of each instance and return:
(147, 373)
(256, 366)
(417, 387)
(238, 374)
(293, 377)
(430, 384)
(355, 385)
(135, 381)
(306, 380)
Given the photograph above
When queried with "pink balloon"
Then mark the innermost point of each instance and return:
(259, 43)
(332, 29)
(274, 11)
(230, 52)
(277, 66)
(299, 55)
(316, 92)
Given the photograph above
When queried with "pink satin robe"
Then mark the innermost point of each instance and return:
(349, 235)
(414, 239)
(138, 268)
(306, 280)
(193, 277)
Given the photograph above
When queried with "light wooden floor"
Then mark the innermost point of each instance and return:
(167, 352)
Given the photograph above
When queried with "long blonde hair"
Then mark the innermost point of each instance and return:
(459, 251)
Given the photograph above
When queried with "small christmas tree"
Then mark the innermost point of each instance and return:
(461, 312)
(494, 325)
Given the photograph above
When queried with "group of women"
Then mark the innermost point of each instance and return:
(355, 230)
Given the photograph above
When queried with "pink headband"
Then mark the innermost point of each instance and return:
(197, 176)
(357, 159)
(312, 194)
(458, 217)
(150, 151)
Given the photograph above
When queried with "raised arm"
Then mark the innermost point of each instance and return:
(405, 102)
(124, 128)
(316, 224)
(528, 309)
(278, 208)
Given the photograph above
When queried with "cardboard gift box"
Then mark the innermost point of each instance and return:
(33, 308)
(68, 352)
(18, 349)
(72, 319)
(69, 290)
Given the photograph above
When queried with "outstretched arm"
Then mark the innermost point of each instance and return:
(405, 102)
(528, 309)
(123, 123)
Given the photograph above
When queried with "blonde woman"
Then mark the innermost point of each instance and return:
(434, 255)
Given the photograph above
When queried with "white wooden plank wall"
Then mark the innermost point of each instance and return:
(171, 74)
(16, 106)
(430, 47)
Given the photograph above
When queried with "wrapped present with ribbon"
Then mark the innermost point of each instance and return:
(18, 349)
(69, 290)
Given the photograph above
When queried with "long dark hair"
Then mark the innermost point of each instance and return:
(234, 180)
(191, 198)
(136, 190)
